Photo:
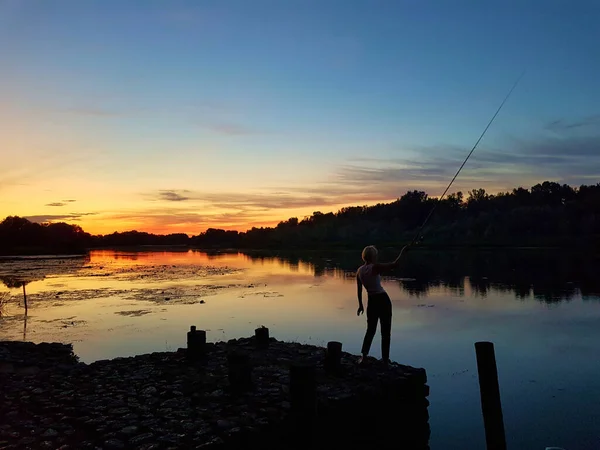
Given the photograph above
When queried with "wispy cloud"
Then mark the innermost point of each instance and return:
(56, 204)
(59, 217)
(561, 125)
(172, 196)
(569, 157)
(230, 129)
(257, 202)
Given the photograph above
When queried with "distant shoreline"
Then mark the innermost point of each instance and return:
(57, 253)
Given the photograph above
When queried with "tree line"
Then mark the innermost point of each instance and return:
(547, 214)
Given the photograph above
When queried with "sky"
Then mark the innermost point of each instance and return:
(176, 116)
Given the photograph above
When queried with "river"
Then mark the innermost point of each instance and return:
(540, 309)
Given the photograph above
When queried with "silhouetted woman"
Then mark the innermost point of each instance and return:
(379, 307)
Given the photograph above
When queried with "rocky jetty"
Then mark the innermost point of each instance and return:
(235, 395)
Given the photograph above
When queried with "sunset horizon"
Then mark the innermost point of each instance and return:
(301, 214)
(176, 118)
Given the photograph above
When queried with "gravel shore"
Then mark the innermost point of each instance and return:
(165, 401)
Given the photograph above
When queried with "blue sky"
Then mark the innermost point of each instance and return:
(252, 111)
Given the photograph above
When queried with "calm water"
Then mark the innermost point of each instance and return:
(542, 311)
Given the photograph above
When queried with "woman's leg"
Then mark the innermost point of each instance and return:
(372, 317)
(386, 328)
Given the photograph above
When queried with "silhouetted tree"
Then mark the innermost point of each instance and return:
(547, 214)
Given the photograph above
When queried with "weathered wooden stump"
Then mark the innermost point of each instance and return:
(196, 343)
(262, 337)
(239, 371)
(333, 357)
(303, 390)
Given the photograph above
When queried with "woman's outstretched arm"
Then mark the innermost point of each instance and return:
(382, 267)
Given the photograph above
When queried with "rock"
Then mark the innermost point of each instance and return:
(149, 391)
(171, 438)
(213, 443)
(224, 424)
(188, 426)
(37, 391)
(171, 403)
(7, 368)
(141, 438)
(50, 433)
(130, 430)
(217, 393)
(114, 444)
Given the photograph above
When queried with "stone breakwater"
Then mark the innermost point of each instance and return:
(167, 401)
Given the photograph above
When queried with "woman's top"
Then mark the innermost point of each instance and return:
(370, 279)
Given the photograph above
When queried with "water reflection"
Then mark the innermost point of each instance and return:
(546, 276)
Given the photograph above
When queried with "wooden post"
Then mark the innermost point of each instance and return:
(262, 337)
(239, 371)
(196, 343)
(25, 298)
(490, 396)
(333, 356)
(303, 390)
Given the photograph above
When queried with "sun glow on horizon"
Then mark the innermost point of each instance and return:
(185, 125)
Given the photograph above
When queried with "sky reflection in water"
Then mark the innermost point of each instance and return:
(544, 330)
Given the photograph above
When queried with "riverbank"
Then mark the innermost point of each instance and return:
(165, 400)
(567, 246)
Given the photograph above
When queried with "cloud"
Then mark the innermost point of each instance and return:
(59, 217)
(172, 196)
(562, 125)
(230, 129)
(257, 202)
(570, 157)
(61, 203)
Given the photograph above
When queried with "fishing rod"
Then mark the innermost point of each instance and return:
(416, 238)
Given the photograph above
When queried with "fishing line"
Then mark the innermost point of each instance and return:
(466, 159)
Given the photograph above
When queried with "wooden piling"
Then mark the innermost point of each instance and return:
(196, 343)
(303, 390)
(239, 371)
(262, 337)
(333, 356)
(490, 396)
(25, 298)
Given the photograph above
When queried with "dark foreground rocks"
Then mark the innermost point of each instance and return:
(165, 401)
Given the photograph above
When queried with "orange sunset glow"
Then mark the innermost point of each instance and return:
(180, 127)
